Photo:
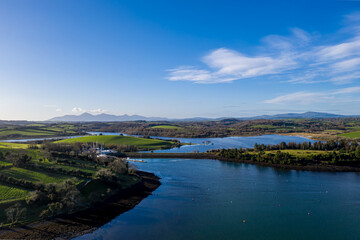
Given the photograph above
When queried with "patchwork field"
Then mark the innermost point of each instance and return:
(37, 131)
(33, 176)
(9, 193)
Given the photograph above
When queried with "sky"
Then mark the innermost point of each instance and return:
(178, 59)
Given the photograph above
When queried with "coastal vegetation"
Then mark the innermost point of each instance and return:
(42, 181)
(323, 156)
(329, 153)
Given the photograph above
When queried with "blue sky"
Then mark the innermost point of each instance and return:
(178, 58)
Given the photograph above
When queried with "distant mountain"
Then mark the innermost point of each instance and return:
(305, 115)
(87, 117)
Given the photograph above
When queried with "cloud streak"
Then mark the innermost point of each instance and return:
(307, 98)
(81, 110)
(298, 58)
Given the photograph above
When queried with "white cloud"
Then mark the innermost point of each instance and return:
(232, 63)
(346, 65)
(188, 73)
(347, 90)
(81, 110)
(97, 111)
(307, 98)
(343, 79)
(300, 57)
(58, 110)
(303, 98)
(342, 50)
(78, 110)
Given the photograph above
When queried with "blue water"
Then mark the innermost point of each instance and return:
(205, 144)
(209, 199)
(231, 142)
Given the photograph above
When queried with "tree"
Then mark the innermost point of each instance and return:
(15, 213)
(106, 175)
(119, 166)
(357, 152)
(18, 159)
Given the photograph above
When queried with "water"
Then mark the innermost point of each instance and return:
(205, 144)
(209, 199)
(231, 142)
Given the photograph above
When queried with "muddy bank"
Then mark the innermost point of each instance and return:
(310, 167)
(80, 223)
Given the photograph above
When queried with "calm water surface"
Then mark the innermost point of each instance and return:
(209, 199)
(205, 144)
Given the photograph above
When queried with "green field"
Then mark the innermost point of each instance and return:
(142, 143)
(301, 153)
(4, 163)
(166, 127)
(36, 131)
(33, 176)
(296, 152)
(351, 134)
(8, 192)
(13, 145)
(264, 126)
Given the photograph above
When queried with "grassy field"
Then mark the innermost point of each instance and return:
(296, 152)
(301, 153)
(264, 126)
(36, 131)
(4, 163)
(351, 134)
(142, 143)
(166, 127)
(13, 145)
(33, 176)
(9, 193)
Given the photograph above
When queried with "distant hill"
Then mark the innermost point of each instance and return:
(305, 115)
(87, 117)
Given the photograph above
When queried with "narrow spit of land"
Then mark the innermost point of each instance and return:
(83, 222)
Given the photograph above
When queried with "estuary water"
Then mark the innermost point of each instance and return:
(209, 199)
(205, 144)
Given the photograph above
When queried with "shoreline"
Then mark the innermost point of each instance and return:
(318, 168)
(87, 221)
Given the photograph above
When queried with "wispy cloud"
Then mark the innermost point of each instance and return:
(347, 90)
(303, 98)
(307, 98)
(78, 110)
(301, 57)
(97, 111)
(81, 110)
